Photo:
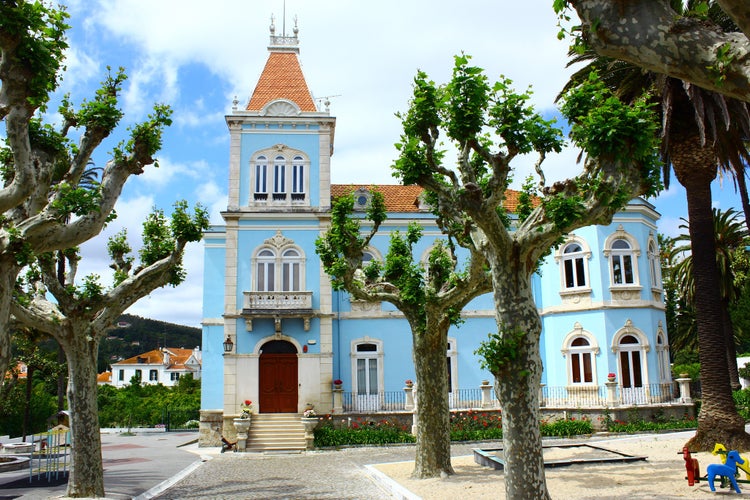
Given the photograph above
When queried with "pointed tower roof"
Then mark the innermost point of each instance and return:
(282, 77)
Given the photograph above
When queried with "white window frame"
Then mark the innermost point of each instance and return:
(643, 347)
(265, 259)
(569, 351)
(662, 355)
(376, 355)
(283, 181)
(654, 264)
(561, 257)
(617, 256)
(283, 267)
(260, 178)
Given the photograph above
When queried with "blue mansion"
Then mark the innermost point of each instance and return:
(275, 333)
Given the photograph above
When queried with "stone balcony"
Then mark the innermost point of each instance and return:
(277, 305)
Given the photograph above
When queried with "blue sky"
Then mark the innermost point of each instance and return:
(197, 57)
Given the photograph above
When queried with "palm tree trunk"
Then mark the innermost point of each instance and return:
(718, 420)
(726, 324)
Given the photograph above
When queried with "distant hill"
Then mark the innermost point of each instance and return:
(132, 335)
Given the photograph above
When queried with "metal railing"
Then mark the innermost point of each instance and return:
(550, 396)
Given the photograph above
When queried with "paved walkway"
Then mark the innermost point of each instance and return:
(133, 465)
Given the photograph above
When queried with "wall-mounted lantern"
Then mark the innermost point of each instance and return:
(228, 344)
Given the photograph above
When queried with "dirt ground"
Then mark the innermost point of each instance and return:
(661, 475)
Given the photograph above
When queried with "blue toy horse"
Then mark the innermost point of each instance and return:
(727, 469)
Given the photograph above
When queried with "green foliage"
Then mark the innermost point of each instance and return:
(501, 350)
(145, 138)
(362, 432)
(692, 369)
(102, 112)
(637, 424)
(526, 199)
(41, 31)
(145, 405)
(607, 128)
(567, 427)
(71, 200)
(466, 100)
(91, 290)
(742, 402)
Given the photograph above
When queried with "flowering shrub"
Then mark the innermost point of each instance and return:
(363, 432)
(338, 381)
(309, 413)
(610, 375)
(409, 382)
(567, 427)
(247, 409)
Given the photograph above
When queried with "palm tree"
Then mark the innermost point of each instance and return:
(702, 132)
(731, 236)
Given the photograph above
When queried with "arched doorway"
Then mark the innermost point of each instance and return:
(277, 377)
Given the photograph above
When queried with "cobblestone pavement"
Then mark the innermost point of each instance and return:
(338, 474)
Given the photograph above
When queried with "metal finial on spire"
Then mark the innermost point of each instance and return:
(272, 27)
(296, 29)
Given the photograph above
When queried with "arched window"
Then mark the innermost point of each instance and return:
(654, 265)
(284, 172)
(581, 362)
(298, 178)
(279, 266)
(662, 357)
(622, 263)
(575, 270)
(581, 348)
(290, 270)
(279, 178)
(631, 369)
(261, 172)
(266, 271)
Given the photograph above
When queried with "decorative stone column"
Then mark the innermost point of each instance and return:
(409, 392)
(242, 425)
(310, 424)
(612, 394)
(486, 394)
(338, 402)
(684, 384)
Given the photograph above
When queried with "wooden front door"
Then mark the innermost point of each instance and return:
(278, 378)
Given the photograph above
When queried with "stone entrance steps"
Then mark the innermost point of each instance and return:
(280, 432)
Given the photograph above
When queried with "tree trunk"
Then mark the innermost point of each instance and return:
(517, 385)
(86, 470)
(433, 451)
(728, 328)
(8, 273)
(718, 420)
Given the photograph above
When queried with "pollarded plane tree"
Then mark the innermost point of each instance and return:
(490, 125)
(78, 316)
(430, 296)
(654, 35)
(45, 208)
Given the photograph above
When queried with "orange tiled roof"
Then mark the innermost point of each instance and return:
(282, 78)
(177, 357)
(104, 378)
(400, 198)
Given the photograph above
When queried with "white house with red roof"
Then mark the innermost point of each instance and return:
(159, 366)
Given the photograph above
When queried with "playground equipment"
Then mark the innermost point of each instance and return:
(721, 450)
(727, 470)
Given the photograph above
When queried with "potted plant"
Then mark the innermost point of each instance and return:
(337, 383)
(409, 383)
(611, 377)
